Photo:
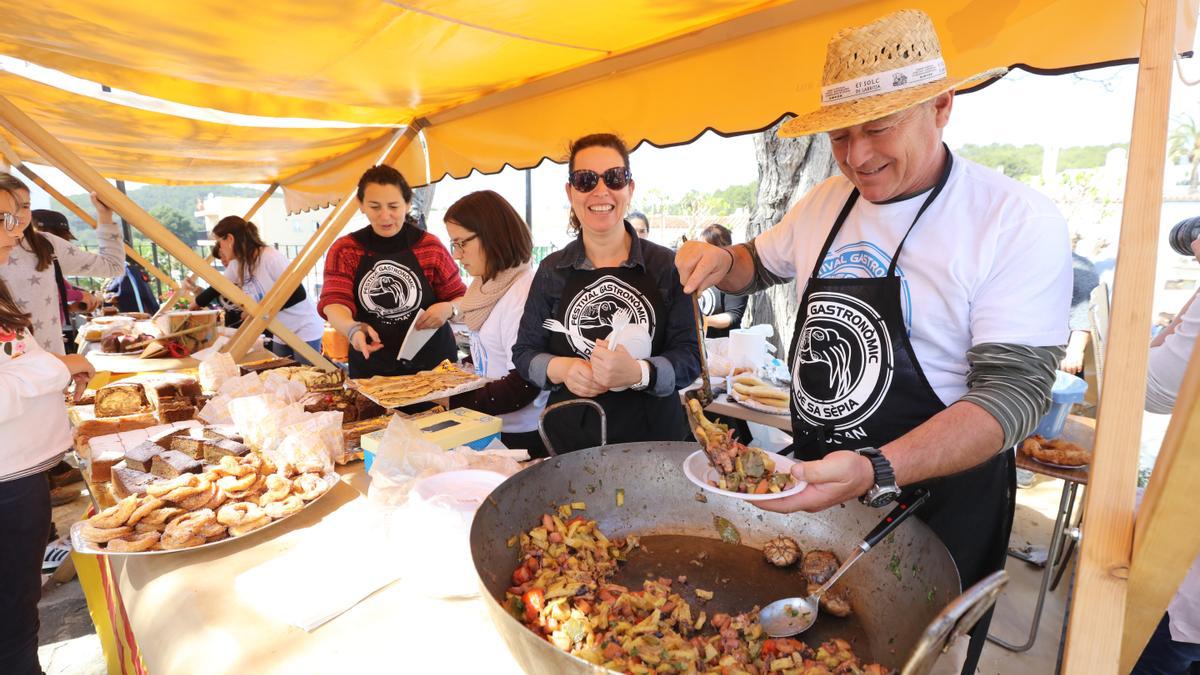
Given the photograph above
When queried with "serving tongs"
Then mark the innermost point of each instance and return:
(702, 395)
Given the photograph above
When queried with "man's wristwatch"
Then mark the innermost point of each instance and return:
(884, 491)
(455, 312)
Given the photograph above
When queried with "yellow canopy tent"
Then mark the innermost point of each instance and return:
(491, 84)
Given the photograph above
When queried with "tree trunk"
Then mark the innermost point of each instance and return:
(787, 169)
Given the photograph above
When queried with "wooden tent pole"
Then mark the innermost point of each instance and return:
(1166, 539)
(316, 247)
(69, 163)
(1097, 618)
(261, 200)
(86, 217)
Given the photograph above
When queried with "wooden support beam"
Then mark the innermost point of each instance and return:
(1098, 615)
(37, 180)
(316, 246)
(261, 200)
(1166, 539)
(69, 163)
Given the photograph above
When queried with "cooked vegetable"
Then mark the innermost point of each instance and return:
(781, 551)
(728, 532)
(568, 598)
(741, 468)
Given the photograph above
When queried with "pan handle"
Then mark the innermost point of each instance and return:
(903, 509)
(953, 622)
(562, 404)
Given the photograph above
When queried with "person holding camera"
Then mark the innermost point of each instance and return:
(1174, 647)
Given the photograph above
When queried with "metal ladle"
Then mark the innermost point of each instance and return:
(790, 616)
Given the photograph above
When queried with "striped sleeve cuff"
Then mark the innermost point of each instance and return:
(1012, 383)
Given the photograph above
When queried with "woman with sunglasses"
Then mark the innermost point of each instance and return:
(39, 265)
(493, 244)
(33, 424)
(377, 280)
(608, 283)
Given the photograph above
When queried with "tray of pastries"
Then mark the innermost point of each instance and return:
(193, 487)
(395, 391)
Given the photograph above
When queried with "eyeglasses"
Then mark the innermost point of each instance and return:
(462, 244)
(10, 221)
(586, 180)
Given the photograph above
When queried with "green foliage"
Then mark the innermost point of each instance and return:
(723, 202)
(1026, 160)
(1183, 145)
(174, 220)
(1015, 161)
(180, 198)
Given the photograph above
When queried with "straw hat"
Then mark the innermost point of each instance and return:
(872, 71)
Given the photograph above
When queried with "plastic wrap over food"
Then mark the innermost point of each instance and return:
(403, 456)
(265, 420)
(310, 445)
(216, 411)
(215, 369)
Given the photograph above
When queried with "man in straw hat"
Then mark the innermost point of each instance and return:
(933, 299)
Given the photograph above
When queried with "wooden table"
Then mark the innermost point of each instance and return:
(187, 616)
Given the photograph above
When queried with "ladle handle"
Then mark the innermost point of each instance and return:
(903, 509)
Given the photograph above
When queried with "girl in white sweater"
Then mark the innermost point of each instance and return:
(35, 267)
(35, 433)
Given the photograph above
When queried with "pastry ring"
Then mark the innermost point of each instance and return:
(114, 516)
(310, 486)
(278, 487)
(238, 513)
(100, 535)
(285, 507)
(140, 542)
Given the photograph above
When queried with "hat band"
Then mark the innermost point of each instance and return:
(904, 77)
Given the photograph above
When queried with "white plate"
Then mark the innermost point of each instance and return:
(755, 405)
(1069, 467)
(699, 471)
(82, 546)
(462, 490)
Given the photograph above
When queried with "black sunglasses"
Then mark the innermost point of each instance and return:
(586, 180)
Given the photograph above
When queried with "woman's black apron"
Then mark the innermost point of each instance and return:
(857, 383)
(389, 288)
(589, 300)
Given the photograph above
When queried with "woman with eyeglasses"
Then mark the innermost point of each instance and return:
(608, 284)
(33, 424)
(378, 278)
(39, 265)
(255, 267)
(493, 244)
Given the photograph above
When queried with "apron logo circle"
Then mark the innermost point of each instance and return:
(708, 301)
(591, 313)
(842, 366)
(390, 291)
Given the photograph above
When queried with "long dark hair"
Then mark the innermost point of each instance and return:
(593, 141)
(31, 239)
(247, 245)
(11, 316)
(501, 231)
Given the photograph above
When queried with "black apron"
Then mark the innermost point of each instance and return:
(389, 288)
(857, 383)
(588, 301)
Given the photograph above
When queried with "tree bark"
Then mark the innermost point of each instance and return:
(421, 202)
(787, 169)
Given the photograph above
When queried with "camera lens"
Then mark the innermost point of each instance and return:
(1183, 234)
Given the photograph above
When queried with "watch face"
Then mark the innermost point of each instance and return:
(882, 498)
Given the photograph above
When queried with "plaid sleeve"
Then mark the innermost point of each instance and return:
(340, 264)
(439, 268)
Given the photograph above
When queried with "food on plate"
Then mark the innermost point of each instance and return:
(781, 551)
(760, 391)
(223, 500)
(140, 456)
(226, 447)
(741, 468)
(399, 390)
(125, 341)
(352, 404)
(1056, 451)
(353, 432)
(264, 365)
(818, 567)
(314, 379)
(562, 590)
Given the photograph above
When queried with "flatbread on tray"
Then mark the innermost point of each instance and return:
(395, 391)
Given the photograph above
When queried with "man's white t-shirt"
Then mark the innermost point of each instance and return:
(491, 350)
(988, 261)
(301, 318)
